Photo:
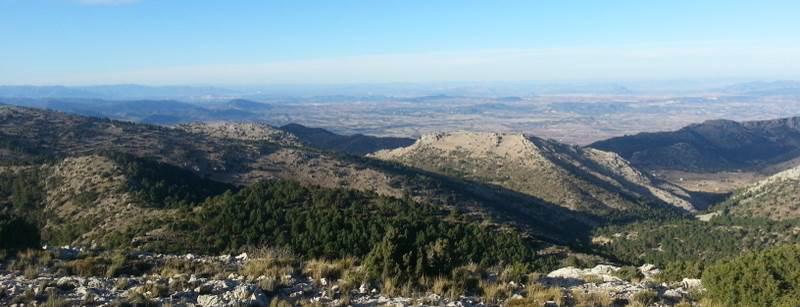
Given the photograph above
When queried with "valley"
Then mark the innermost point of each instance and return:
(450, 217)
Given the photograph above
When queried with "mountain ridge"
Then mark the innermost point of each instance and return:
(579, 179)
(357, 144)
(715, 145)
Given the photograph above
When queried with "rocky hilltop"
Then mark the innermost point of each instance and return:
(247, 131)
(776, 198)
(581, 179)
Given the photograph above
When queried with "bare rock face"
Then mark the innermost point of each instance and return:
(577, 178)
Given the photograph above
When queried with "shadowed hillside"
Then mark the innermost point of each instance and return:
(357, 144)
(718, 145)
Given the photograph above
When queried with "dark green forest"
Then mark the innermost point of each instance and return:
(396, 237)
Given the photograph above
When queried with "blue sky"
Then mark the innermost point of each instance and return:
(340, 41)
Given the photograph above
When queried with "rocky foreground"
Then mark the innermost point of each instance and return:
(190, 280)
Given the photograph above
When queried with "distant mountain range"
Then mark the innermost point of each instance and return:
(162, 112)
(717, 145)
(765, 88)
(469, 89)
(123, 91)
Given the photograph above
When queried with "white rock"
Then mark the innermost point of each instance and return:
(210, 300)
(604, 272)
(692, 283)
(649, 271)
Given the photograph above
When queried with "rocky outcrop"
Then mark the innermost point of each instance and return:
(604, 279)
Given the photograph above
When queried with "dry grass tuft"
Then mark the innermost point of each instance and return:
(539, 295)
(276, 264)
(330, 270)
(591, 299)
(495, 293)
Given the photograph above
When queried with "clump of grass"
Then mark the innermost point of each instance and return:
(89, 266)
(466, 279)
(53, 300)
(494, 292)
(31, 272)
(629, 273)
(268, 284)
(442, 286)
(533, 278)
(31, 262)
(330, 270)
(393, 286)
(122, 283)
(27, 297)
(539, 295)
(119, 263)
(179, 266)
(280, 303)
(707, 302)
(352, 278)
(270, 263)
(390, 287)
(582, 298)
(593, 279)
(136, 299)
(156, 289)
(646, 297)
(517, 272)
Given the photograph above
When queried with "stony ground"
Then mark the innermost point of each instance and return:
(51, 287)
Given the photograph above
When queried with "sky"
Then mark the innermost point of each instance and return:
(158, 42)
